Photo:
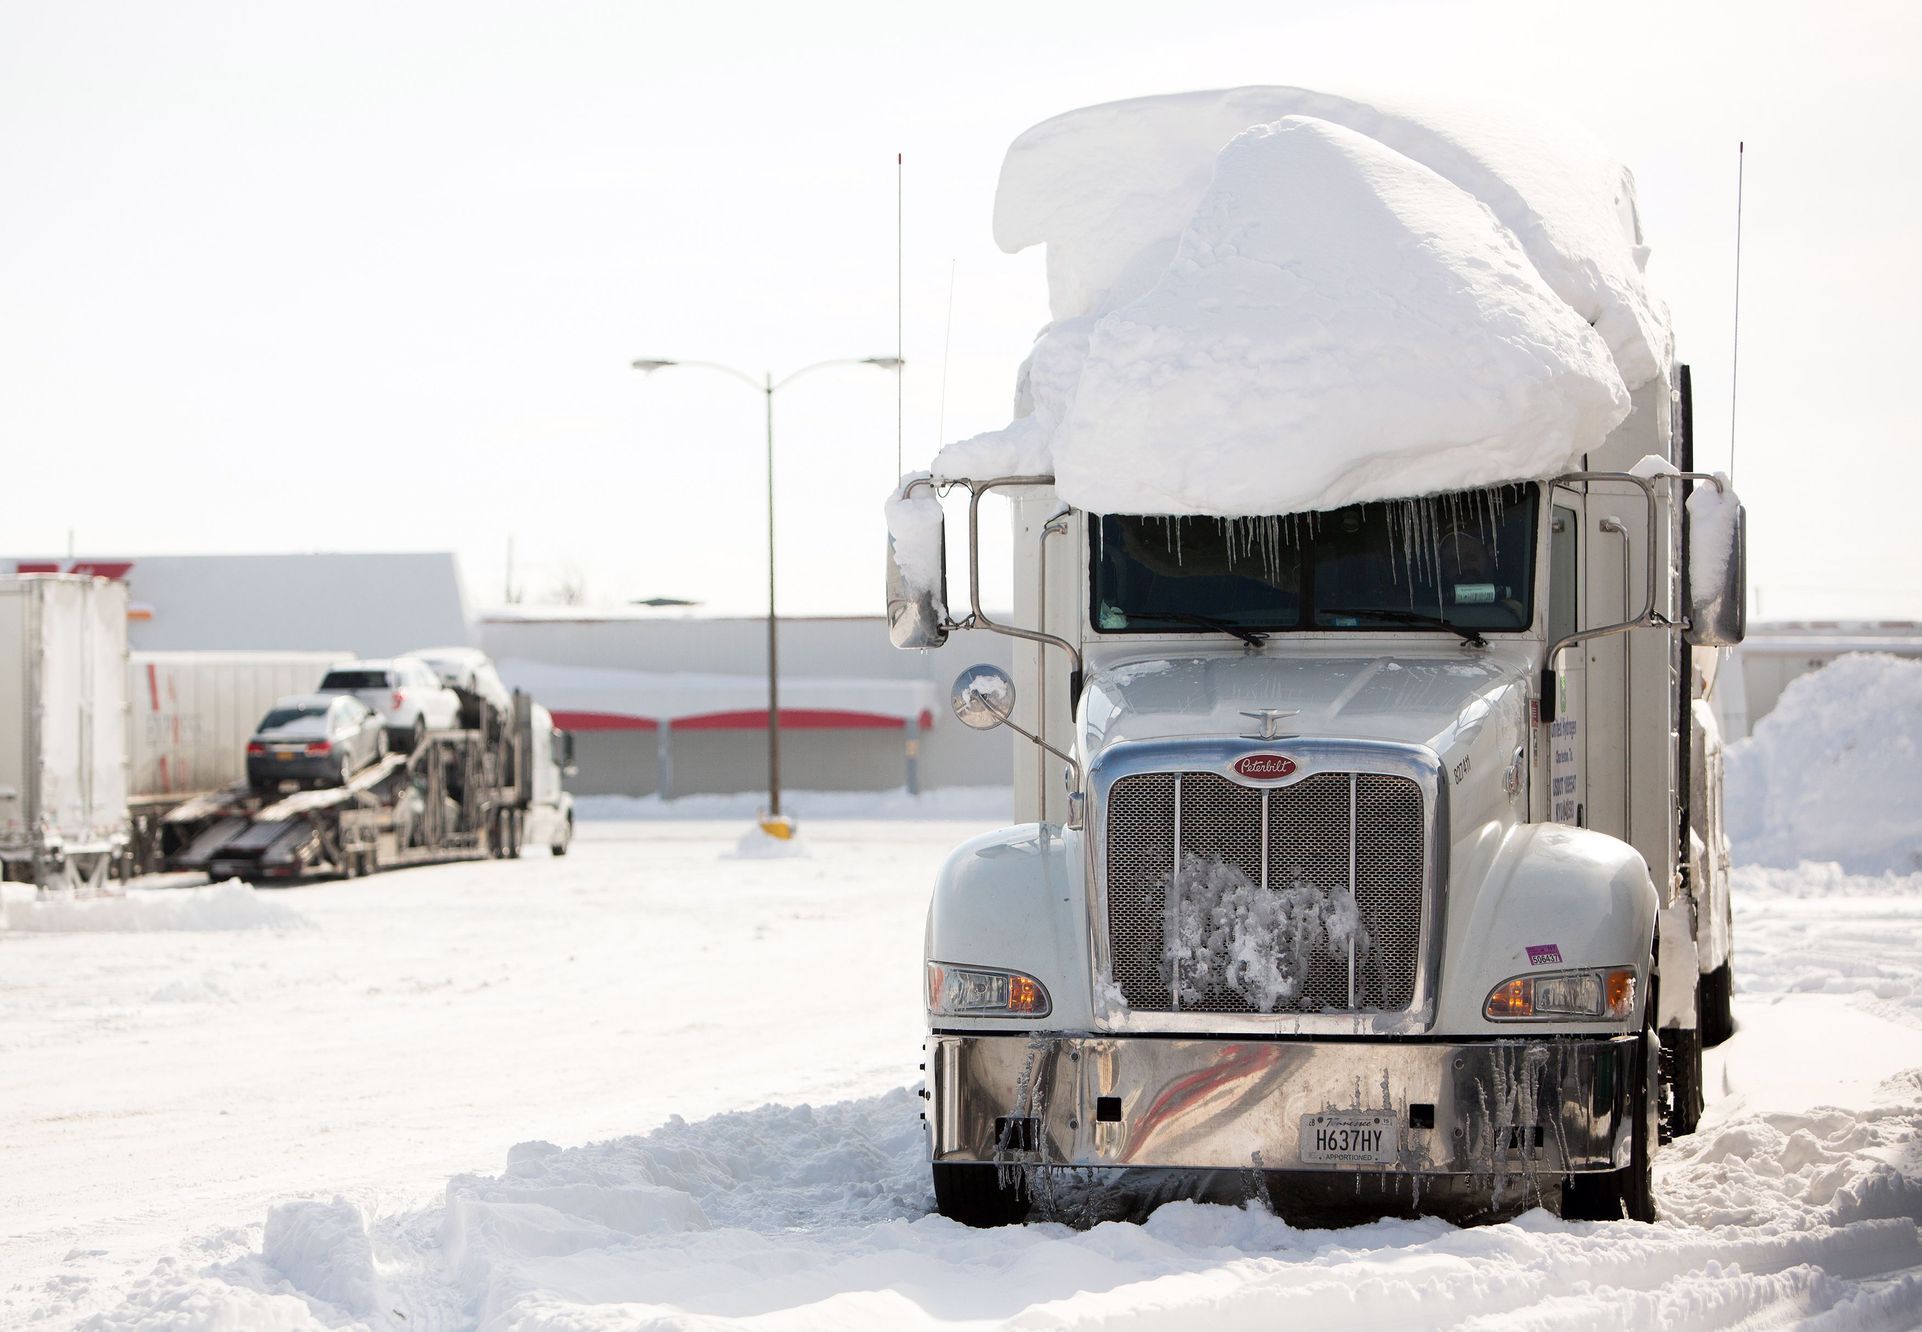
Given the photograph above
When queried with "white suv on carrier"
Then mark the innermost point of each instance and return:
(409, 697)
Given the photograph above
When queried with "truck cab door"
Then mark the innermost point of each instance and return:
(1566, 765)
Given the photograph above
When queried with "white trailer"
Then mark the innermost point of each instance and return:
(193, 712)
(63, 729)
(1370, 852)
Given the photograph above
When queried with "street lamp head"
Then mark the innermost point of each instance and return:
(885, 362)
(648, 367)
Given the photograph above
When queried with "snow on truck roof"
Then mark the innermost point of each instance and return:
(1271, 300)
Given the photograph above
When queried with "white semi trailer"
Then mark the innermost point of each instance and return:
(63, 729)
(1370, 855)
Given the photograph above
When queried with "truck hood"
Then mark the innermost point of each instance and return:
(1440, 699)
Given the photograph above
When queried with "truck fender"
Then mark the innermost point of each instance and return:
(1554, 898)
(1012, 899)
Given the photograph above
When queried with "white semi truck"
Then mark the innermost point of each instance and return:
(1371, 855)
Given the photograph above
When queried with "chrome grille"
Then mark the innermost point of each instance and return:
(1305, 831)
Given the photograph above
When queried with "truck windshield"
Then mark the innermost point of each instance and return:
(1461, 561)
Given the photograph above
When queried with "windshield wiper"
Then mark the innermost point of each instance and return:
(1410, 617)
(1252, 637)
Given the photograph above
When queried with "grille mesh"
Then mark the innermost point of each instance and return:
(1308, 842)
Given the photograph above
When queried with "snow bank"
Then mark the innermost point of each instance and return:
(1834, 772)
(757, 843)
(1338, 323)
(1272, 300)
(974, 803)
(559, 1229)
(322, 1249)
(223, 906)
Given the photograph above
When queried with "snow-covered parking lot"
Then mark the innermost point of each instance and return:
(573, 1094)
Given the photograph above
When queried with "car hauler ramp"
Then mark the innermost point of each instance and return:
(459, 795)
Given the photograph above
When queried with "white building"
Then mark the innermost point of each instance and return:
(375, 604)
(677, 705)
(658, 702)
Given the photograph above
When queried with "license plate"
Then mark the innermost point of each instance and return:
(1352, 1137)
(286, 754)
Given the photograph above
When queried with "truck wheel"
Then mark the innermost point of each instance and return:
(567, 835)
(973, 1194)
(1716, 1002)
(1629, 1192)
(1681, 1081)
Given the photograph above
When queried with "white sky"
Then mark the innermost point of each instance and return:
(281, 276)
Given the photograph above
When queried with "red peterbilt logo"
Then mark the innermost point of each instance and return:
(1265, 767)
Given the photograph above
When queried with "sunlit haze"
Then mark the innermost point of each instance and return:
(370, 277)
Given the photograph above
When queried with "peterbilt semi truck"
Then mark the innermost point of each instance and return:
(1434, 903)
(1369, 856)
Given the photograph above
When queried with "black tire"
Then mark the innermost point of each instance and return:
(1681, 1081)
(418, 736)
(1715, 1001)
(1629, 1192)
(567, 837)
(974, 1195)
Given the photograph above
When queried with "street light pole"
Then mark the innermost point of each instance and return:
(773, 647)
(767, 386)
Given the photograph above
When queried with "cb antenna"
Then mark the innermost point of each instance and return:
(899, 353)
(947, 341)
(1735, 354)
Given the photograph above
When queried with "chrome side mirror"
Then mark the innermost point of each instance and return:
(917, 569)
(983, 697)
(1717, 568)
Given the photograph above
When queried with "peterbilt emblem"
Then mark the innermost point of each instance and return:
(1265, 767)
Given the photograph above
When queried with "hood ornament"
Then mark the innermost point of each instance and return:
(1270, 719)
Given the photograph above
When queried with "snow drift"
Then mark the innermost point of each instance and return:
(1271, 300)
(232, 905)
(1834, 773)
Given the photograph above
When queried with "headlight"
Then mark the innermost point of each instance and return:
(984, 992)
(1608, 993)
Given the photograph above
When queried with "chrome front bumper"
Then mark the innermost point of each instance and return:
(1461, 1108)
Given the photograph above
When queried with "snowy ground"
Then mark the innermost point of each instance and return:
(299, 1110)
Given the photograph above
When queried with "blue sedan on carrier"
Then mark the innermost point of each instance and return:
(316, 740)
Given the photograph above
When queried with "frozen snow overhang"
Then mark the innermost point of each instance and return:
(1271, 316)
(1108, 189)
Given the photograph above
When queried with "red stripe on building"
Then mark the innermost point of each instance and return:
(603, 721)
(153, 687)
(792, 719)
(24, 567)
(113, 570)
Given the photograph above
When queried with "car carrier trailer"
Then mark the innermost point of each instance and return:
(459, 795)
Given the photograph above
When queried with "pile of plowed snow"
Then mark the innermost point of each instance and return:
(1834, 773)
(232, 905)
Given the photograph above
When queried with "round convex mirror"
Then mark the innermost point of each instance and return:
(983, 697)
